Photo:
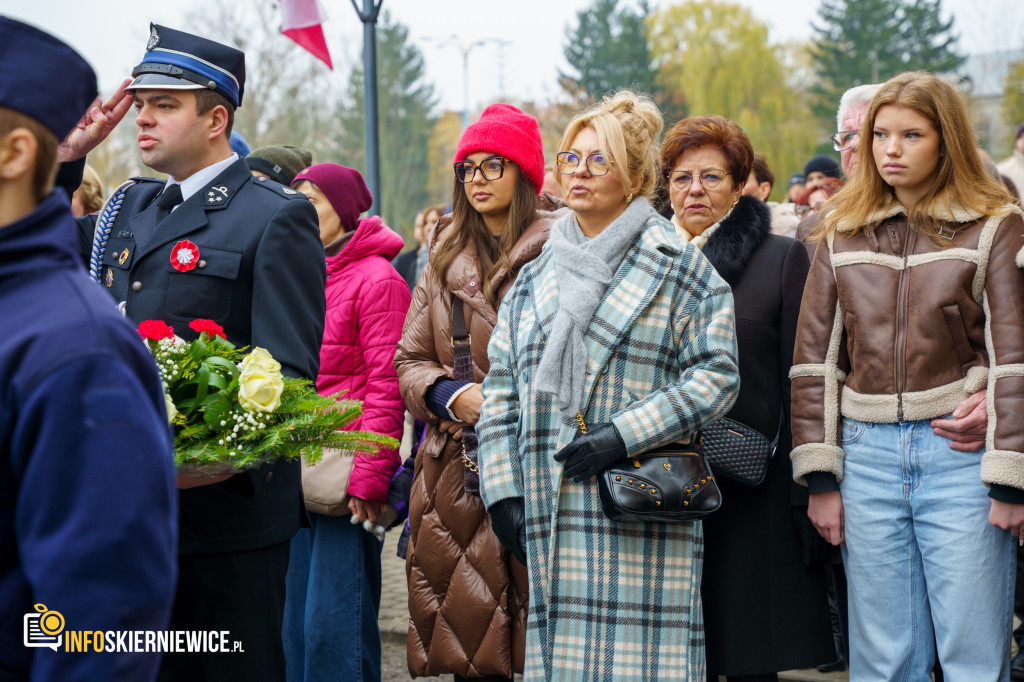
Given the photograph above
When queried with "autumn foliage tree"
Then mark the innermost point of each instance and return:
(716, 56)
(1013, 98)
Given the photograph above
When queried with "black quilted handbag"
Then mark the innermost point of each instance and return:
(737, 452)
(671, 483)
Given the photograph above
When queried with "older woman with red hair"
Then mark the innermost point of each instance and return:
(764, 610)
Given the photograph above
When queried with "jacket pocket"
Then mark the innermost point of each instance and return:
(852, 431)
(957, 331)
(206, 290)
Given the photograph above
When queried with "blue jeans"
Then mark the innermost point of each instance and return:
(922, 559)
(333, 597)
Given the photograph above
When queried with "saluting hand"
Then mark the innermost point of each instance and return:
(96, 124)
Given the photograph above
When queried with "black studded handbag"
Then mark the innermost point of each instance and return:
(669, 484)
(737, 452)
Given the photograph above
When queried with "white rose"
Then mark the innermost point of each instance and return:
(172, 411)
(260, 383)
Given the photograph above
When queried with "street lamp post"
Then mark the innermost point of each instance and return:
(368, 15)
(465, 49)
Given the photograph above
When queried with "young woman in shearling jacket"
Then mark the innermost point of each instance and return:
(915, 301)
(467, 595)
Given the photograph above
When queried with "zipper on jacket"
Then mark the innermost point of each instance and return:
(901, 318)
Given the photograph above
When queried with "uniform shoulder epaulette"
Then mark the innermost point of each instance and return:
(277, 188)
(141, 179)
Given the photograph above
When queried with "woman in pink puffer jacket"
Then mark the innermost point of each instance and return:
(334, 575)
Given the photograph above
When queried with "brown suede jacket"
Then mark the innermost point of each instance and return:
(894, 327)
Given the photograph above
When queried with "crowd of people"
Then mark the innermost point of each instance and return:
(560, 316)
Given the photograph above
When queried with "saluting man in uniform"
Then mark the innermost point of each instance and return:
(214, 242)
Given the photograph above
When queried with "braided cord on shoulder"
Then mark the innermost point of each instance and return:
(105, 221)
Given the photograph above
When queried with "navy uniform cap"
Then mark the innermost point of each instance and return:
(43, 78)
(176, 60)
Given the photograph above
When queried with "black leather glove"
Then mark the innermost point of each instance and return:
(508, 521)
(592, 452)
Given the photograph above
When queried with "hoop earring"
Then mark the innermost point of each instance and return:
(629, 198)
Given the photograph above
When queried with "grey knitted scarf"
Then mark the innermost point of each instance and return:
(584, 268)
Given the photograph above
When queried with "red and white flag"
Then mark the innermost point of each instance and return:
(301, 21)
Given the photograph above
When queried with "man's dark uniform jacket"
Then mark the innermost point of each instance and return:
(259, 274)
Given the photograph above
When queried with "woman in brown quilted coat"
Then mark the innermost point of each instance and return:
(467, 595)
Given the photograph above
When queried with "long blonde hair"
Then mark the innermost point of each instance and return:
(960, 177)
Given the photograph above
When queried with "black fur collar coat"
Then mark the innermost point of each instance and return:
(740, 235)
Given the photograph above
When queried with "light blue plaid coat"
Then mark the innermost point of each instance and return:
(609, 600)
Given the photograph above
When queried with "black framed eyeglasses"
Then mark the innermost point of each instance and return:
(597, 164)
(842, 140)
(710, 178)
(492, 168)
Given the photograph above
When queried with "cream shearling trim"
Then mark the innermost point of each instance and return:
(1020, 258)
(896, 263)
(917, 405)
(1007, 371)
(895, 208)
(988, 235)
(859, 257)
(948, 213)
(1004, 467)
(990, 396)
(813, 370)
(811, 457)
(969, 255)
(807, 369)
(976, 379)
(832, 379)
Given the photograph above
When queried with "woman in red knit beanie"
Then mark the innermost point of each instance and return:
(467, 595)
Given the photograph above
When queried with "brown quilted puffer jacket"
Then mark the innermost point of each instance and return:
(467, 596)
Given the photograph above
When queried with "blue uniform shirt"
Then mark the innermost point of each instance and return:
(88, 510)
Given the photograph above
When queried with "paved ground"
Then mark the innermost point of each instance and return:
(394, 623)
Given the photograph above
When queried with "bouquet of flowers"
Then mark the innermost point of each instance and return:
(233, 410)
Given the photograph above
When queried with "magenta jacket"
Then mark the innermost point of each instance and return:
(366, 305)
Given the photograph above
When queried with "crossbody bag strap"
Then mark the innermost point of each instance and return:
(463, 371)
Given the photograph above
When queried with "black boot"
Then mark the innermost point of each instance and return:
(1017, 666)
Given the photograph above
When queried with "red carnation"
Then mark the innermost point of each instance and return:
(211, 328)
(155, 330)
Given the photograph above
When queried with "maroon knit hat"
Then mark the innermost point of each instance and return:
(344, 187)
(503, 129)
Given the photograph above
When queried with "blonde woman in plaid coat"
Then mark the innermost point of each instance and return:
(620, 320)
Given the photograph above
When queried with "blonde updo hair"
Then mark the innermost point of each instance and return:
(627, 125)
(92, 190)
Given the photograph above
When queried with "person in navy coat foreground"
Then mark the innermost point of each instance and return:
(88, 514)
(214, 242)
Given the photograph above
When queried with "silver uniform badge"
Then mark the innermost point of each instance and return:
(154, 38)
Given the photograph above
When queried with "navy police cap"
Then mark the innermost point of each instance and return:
(176, 60)
(43, 78)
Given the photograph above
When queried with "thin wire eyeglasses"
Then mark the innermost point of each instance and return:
(842, 140)
(597, 163)
(492, 168)
(710, 178)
